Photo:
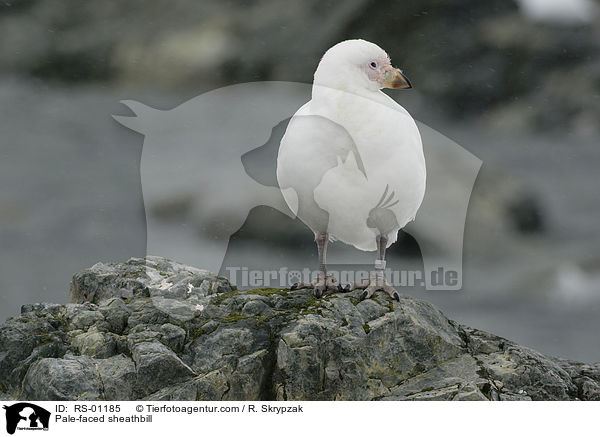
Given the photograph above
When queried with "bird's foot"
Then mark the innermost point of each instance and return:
(375, 282)
(322, 284)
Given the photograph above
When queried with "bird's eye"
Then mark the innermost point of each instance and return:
(373, 65)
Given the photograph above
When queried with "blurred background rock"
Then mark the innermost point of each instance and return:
(525, 66)
(515, 83)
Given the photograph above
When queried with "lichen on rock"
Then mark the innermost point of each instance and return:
(155, 329)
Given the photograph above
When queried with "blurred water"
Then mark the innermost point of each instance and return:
(70, 192)
(71, 197)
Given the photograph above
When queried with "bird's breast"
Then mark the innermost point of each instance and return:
(384, 135)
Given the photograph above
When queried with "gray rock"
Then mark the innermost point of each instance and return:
(210, 387)
(265, 344)
(444, 382)
(118, 377)
(83, 317)
(116, 313)
(319, 358)
(151, 276)
(157, 366)
(95, 344)
(69, 378)
(25, 339)
(500, 63)
(173, 336)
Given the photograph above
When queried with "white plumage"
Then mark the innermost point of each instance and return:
(351, 162)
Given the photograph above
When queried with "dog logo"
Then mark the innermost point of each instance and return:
(212, 161)
(26, 416)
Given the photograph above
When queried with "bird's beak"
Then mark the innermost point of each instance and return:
(394, 78)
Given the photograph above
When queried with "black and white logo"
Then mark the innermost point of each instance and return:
(26, 417)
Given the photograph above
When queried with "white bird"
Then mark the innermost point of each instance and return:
(351, 162)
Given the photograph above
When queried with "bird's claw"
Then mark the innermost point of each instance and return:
(344, 289)
(373, 284)
(320, 285)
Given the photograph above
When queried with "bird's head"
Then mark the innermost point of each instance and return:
(355, 64)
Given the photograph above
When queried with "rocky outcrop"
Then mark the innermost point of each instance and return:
(155, 329)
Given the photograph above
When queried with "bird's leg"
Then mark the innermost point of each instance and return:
(376, 280)
(323, 282)
(322, 239)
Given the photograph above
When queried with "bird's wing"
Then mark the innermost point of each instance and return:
(392, 188)
(311, 146)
